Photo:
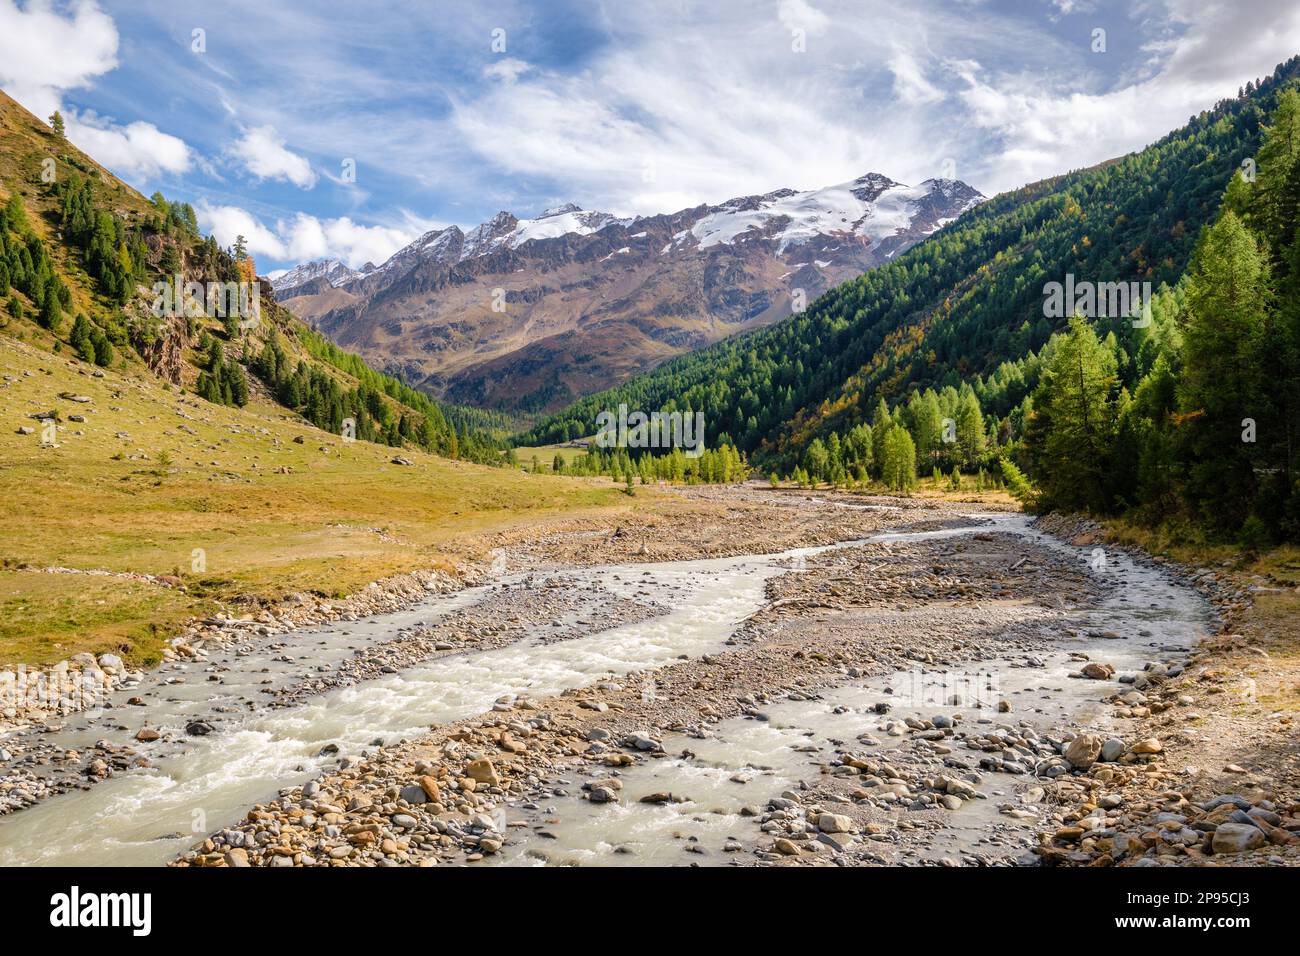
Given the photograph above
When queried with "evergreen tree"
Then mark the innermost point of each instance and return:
(898, 459)
(1226, 403)
(1072, 431)
(970, 430)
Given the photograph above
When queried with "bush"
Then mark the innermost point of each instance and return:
(1254, 536)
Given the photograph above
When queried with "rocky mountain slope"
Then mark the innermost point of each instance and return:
(527, 315)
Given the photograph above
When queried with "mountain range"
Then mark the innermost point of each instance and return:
(966, 308)
(527, 315)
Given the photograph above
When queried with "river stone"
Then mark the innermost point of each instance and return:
(1112, 750)
(414, 794)
(431, 790)
(1083, 750)
(834, 823)
(1235, 799)
(482, 771)
(1096, 671)
(1236, 838)
(1150, 745)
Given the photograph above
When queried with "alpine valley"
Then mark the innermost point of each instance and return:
(527, 315)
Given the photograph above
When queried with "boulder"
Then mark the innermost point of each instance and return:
(834, 823)
(1096, 671)
(1236, 838)
(482, 771)
(1083, 751)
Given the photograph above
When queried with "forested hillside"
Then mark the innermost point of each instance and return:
(81, 254)
(949, 349)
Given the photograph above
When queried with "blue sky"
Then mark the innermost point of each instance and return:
(453, 110)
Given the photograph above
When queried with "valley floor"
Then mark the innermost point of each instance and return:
(740, 676)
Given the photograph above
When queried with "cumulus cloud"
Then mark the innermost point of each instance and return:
(135, 150)
(262, 152)
(303, 237)
(45, 52)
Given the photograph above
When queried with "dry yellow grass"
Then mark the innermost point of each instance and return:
(268, 516)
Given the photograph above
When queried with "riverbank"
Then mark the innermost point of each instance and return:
(1229, 777)
(656, 693)
(658, 766)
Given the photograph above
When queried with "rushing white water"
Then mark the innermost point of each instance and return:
(775, 754)
(126, 820)
(145, 817)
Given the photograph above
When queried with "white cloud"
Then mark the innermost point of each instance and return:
(664, 117)
(910, 83)
(225, 223)
(138, 149)
(262, 152)
(1042, 128)
(43, 53)
(801, 15)
(303, 237)
(507, 69)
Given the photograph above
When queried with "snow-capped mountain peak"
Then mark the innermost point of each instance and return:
(870, 210)
(335, 272)
(871, 207)
(560, 210)
(595, 294)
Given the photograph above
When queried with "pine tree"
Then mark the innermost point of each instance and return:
(1225, 344)
(817, 460)
(898, 468)
(1072, 431)
(80, 338)
(1278, 190)
(970, 430)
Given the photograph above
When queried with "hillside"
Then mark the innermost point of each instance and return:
(145, 483)
(957, 306)
(108, 247)
(1122, 340)
(527, 315)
